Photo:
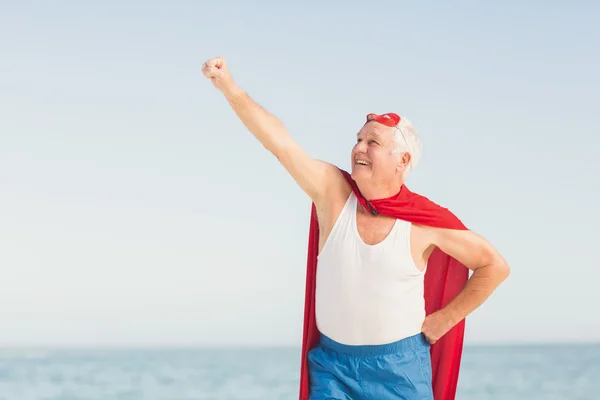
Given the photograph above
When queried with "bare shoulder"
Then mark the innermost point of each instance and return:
(330, 205)
(335, 193)
(337, 188)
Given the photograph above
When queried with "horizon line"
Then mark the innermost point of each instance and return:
(256, 346)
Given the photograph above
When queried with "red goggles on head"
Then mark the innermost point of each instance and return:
(389, 119)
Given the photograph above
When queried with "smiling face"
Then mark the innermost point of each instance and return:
(376, 163)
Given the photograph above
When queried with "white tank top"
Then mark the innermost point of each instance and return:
(368, 294)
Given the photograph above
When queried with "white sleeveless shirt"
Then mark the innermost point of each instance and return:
(368, 294)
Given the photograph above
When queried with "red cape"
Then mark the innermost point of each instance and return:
(444, 279)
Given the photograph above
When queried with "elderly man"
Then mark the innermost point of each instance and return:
(374, 241)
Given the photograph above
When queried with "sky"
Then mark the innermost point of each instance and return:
(136, 209)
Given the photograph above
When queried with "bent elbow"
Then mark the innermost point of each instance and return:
(502, 270)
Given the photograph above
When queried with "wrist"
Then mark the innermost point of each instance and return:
(232, 91)
(451, 316)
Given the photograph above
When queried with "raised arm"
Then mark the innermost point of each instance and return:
(316, 178)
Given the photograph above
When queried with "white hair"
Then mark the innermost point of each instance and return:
(406, 139)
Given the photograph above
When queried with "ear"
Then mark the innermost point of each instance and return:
(404, 161)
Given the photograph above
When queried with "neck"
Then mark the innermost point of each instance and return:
(372, 191)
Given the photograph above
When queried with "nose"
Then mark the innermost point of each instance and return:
(361, 147)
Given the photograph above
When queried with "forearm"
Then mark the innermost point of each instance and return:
(478, 288)
(267, 128)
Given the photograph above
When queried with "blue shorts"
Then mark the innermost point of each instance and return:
(400, 370)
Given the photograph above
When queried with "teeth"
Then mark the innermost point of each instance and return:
(362, 162)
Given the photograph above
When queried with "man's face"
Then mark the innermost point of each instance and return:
(373, 158)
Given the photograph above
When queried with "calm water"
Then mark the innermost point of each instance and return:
(494, 373)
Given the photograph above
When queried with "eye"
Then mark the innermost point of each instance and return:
(373, 141)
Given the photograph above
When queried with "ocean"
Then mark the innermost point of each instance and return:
(549, 372)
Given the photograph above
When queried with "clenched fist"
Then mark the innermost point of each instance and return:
(216, 70)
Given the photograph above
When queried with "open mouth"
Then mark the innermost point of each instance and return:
(362, 162)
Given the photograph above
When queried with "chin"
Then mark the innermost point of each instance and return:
(360, 172)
